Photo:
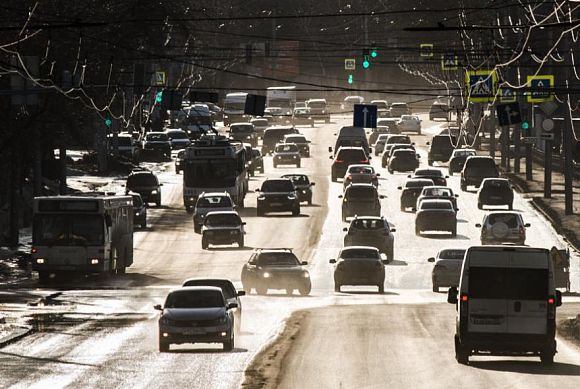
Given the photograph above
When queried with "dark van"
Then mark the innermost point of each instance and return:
(441, 148)
(275, 135)
(477, 168)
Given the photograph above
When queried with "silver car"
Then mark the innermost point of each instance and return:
(503, 227)
(447, 269)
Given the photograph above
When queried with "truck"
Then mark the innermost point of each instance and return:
(234, 106)
(283, 97)
(82, 234)
(214, 163)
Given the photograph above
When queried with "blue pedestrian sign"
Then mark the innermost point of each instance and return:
(540, 88)
(365, 116)
(481, 85)
(508, 114)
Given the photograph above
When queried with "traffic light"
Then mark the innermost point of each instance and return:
(374, 52)
(159, 97)
(350, 79)
(525, 125)
(108, 122)
(366, 63)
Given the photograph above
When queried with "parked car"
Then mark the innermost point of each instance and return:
(345, 157)
(139, 210)
(447, 269)
(357, 174)
(412, 189)
(477, 168)
(196, 314)
(361, 200)
(221, 228)
(500, 227)
(440, 148)
(359, 265)
(210, 202)
(303, 186)
(438, 193)
(495, 191)
(371, 231)
(403, 160)
(286, 154)
(278, 195)
(300, 141)
(436, 215)
(458, 158)
(146, 184)
(409, 123)
(433, 174)
(275, 269)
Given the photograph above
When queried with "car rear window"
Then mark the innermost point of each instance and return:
(429, 172)
(351, 155)
(359, 254)
(142, 180)
(509, 219)
(295, 139)
(361, 193)
(214, 202)
(402, 153)
(496, 184)
(287, 148)
(437, 192)
(399, 139)
(452, 254)
(436, 205)
(443, 141)
(223, 220)
(242, 128)
(361, 169)
(260, 122)
(482, 165)
(418, 183)
(508, 283)
(316, 104)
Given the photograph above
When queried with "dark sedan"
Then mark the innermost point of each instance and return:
(412, 190)
(436, 215)
(359, 265)
(403, 160)
(432, 174)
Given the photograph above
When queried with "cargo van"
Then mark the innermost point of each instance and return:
(351, 137)
(506, 303)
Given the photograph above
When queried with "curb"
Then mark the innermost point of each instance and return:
(554, 219)
(15, 336)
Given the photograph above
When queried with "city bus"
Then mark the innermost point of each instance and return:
(82, 234)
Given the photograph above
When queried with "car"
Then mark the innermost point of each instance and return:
(447, 268)
(403, 160)
(356, 174)
(278, 195)
(440, 193)
(231, 294)
(439, 110)
(256, 163)
(196, 314)
(260, 124)
(277, 114)
(440, 148)
(349, 136)
(300, 141)
(506, 303)
(361, 200)
(388, 153)
(139, 210)
(179, 158)
(222, 227)
(300, 104)
(477, 168)
(390, 124)
(412, 189)
(125, 146)
(303, 186)
(345, 157)
(458, 158)
(302, 116)
(409, 123)
(155, 144)
(178, 138)
(350, 101)
(359, 265)
(399, 109)
(381, 104)
(244, 132)
(436, 215)
(495, 191)
(500, 227)
(319, 109)
(146, 184)
(286, 154)
(276, 268)
(437, 175)
(376, 132)
(379, 144)
(371, 231)
(210, 202)
(396, 140)
(275, 135)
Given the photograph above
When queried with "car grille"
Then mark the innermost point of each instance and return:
(195, 323)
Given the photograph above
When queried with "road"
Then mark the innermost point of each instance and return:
(102, 332)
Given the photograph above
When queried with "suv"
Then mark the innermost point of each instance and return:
(178, 138)
(503, 227)
(302, 116)
(286, 154)
(439, 111)
(438, 193)
(319, 109)
(357, 174)
(300, 141)
(139, 210)
(458, 158)
(273, 136)
(506, 303)
(224, 227)
(399, 109)
(495, 191)
(359, 265)
(260, 124)
(303, 186)
(441, 147)
(476, 169)
(344, 157)
(157, 143)
(360, 199)
(275, 269)
(403, 160)
(412, 190)
(433, 174)
(244, 132)
(278, 195)
(371, 231)
(146, 184)
(210, 202)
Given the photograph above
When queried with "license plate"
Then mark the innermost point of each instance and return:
(275, 204)
(193, 331)
(495, 197)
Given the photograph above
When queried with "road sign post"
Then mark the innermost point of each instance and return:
(365, 116)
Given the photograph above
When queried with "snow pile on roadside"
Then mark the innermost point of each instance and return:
(570, 327)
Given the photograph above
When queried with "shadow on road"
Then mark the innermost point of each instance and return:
(207, 351)
(528, 367)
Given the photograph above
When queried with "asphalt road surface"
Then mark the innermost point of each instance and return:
(102, 332)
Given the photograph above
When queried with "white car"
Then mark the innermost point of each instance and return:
(361, 174)
(409, 123)
(447, 269)
(503, 227)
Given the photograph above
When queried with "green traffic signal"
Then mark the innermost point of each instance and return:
(350, 80)
(525, 125)
(159, 96)
(366, 63)
(374, 53)
(108, 122)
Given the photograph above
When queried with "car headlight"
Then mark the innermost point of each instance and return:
(294, 157)
(266, 275)
(153, 192)
(137, 214)
(261, 197)
(40, 261)
(306, 274)
(291, 197)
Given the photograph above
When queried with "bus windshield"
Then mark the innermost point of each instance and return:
(68, 230)
(216, 173)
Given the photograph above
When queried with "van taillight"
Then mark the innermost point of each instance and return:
(551, 308)
(463, 305)
(364, 161)
(551, 300)
(339, 161)
(522, 231)
(464, 298)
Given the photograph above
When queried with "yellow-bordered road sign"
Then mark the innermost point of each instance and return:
(349, 64)
(426, 50)
(539, 88)
(481, 85)
(507, 95)
(449, 62)
(160, 79)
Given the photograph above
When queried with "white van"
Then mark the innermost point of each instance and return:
(506, 304)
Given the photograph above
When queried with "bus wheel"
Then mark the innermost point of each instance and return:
(121, 270)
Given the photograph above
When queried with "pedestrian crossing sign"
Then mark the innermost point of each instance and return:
(481, 85)
(449, 62)
(507, 95)
(540, 87)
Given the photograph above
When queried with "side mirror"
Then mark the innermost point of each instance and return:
(527, 225)
(399, 187)
(418, 156)
(340, 196)
(385, 261)
(231, 305)
(332, 261)
(304, 263)
(381, 197)
(414, 209)
(558, 298)
(456, 195)
(409, 176)
(158, 307)
(345, 229)
(312, 183)
(243, 223)
(428, 143)
(446, 176)
(431, 259)
(378, 174)
(241, 293)
(452, 295)
(330, 157)
(330, 149)
(256, 190)
(478, 225)
(160, 184)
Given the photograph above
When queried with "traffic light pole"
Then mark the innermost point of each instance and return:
(567, 141)
(548, 169)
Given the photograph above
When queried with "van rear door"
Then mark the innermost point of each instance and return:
(487, 306)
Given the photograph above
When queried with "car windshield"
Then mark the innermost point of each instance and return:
(399, 139)
(287, 148)
(361, 169)
(277, 259)
(361, 193)
(463, 153)
(256, 153)
(260, 122)
(137, 180)
(226, 286)
(317, 104)
(295, 139)
(218, 220)
(436, 205)
(68, 230)
(510, 219)
(429, 172)
(368, 224)
(402, 153)
(481, 165)
(156, 137)
(214, 202)
(359, 254)
(437, 192)
(177, 135)
(277, 186)
(298, 179)
(457, 254)
(418, 183)
(195, 299)
(241, 128)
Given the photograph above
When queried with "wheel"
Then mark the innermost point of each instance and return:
(261, 290)
(298, 165)
(241, 201)
(262, 170)
(333, 178)
(336, 287)
(417, 231)
(296, 211)
(310, 200)
(510, 207)
(163, 346)
(121, 270)
(390, 171)
(463, 186)
(275, 165)
(381, 288)
(144, 225)
(461, 354)
(435, 289)
(196, 228)
(450, 172)
(241, 242)
(158, 202)
(229, 345)
(479, 206)
(189, 209)
(430, 162)
(454, 232)
(547, 357)
(260, 211)
(305, 290)
(204, 243)
(251, 172)
(403, 209)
